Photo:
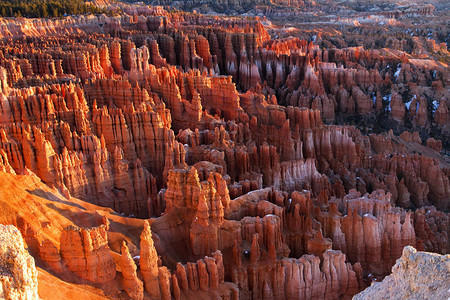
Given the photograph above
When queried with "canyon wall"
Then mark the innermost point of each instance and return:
(165, 154)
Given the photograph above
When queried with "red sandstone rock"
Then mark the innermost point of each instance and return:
(134, 113)
(436, 145)
(148, 262)
(131, 283)
(85, 252)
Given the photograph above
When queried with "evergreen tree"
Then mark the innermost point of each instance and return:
(45, 8)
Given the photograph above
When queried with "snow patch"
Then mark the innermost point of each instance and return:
(397, 73)
(434, 107)
(408, 104)
(387, 99)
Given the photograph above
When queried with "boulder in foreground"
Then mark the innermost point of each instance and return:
(18, 275)
(416, 275)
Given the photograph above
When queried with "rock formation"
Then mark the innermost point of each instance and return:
(132, 285)
(18, 275)
(86, 253)
(156, 153)
(416, 275)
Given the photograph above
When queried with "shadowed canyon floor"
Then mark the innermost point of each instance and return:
(158, 154)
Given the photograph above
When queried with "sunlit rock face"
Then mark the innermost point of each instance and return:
(18, 277)
(161, 154)
(412, 276)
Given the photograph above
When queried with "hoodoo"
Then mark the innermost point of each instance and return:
(224, 150)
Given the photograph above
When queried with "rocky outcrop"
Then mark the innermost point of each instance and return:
(85, 252)
(132, 285)
(148, 261)
(416, 275)
(373, 232)
(18, 274)
(223, 162)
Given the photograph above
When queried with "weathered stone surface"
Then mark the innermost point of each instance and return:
(131, 283)
(18, 275)
(86, 253)
(235, 147)
(416, 275)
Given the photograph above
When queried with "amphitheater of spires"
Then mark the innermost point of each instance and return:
(168, 155)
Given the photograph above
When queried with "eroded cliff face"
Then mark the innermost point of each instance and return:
(220, 138)
(85, 252)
